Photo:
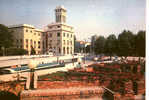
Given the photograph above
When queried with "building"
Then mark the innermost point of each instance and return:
(28, 37)
(93, 39)
(81, 45)
(60, 36)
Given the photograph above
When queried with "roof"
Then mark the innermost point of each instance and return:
(39, 30)
(21, 25)
(24, 25)
(54, 24)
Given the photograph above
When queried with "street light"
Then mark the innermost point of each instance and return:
(32, 65)
(79, 63)
(96, 59)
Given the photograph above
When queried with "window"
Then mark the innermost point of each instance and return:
(64, 50)
(31, 41)
(31, 31)
(50, 45)
(34, 42)
(58, 34)
(50, 35)
(34, 33)
(38, 44)
(58, 26)
(64, 34)
(67, 42)
(26, 30)
(21, 40)
(64, 42)
(38, 34)
(58, 42)
(70, 50)
(67, 50)
(26, 40)
(67, 35)
(70, 42)
(59, 50)
(26, 46)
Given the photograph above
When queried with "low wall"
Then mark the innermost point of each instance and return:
(73, 93)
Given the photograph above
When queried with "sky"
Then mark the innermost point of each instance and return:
(88, 17)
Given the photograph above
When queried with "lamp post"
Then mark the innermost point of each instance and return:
(79, 63)
(85, 51)
(96, 59)
(18, 73)
(32, 65)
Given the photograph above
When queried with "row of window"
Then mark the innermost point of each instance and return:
(58, 26)
(33, 46)
(18, 40)
(36, 33)
(67, 35)
(32, 41)
(59, 10)
(64, 42)
(64, 35)
(60, 18)
(65, 50)
(68, 42)
(19, 46)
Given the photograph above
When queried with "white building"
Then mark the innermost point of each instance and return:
(60, 36)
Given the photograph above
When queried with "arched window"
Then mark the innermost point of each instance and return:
(67, 50)
(64, 50)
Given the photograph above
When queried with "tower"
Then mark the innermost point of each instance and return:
(60, 36)
(60, 14)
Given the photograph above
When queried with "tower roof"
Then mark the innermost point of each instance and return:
(60, 7)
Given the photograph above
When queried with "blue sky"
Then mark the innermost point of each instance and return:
(88, 17)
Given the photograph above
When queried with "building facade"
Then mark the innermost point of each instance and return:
(81, 45)
(28, 37)
(60, 36)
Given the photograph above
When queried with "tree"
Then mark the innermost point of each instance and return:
(110, 45)
(16, 51)
(88, 49)
(33, 51)
(6, 37)
(140, 43)
(99, 45)
(125, 43)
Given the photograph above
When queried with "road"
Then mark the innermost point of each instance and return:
(12, 77)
